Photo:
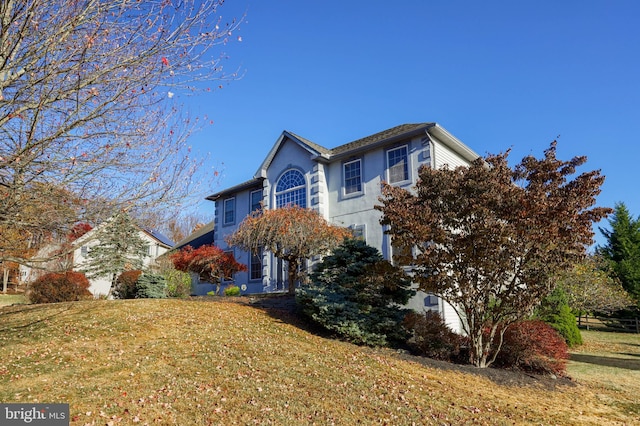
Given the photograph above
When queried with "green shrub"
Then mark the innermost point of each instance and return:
(126, 284)
(232, 290)
(151, 286)
(556, 312)
(59, 287)
(178, 283)
(358, 295)
(533, 346)
(431, 337)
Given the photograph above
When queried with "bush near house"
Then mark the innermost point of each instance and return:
(126, 284)
(232, 290)
(358, 295)
(59, 287)
(151, 286)
(140, 285)
(178, 283)
(533, 346)
(431, 337)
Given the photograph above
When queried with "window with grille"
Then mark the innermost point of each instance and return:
(255, 266)
(352, 177)
(291, 190)
(398, 164)
(229, 211)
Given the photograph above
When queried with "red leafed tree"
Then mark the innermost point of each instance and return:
(207, 260)
(489, 239)
(291, 233)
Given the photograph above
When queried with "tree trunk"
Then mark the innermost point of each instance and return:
(5, 279)
(292, 271)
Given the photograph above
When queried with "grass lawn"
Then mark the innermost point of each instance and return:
(201, 362)
(11, 299)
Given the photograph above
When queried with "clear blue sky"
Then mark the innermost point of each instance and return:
(496, 74)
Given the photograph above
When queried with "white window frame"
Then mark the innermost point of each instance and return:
(252, 207)
(344, 178)
(407, 165)
(224, 211)
(251, 270)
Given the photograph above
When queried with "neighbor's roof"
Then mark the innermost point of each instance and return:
(163, 239)
(201, 236)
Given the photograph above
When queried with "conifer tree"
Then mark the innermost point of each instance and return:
(623, 249)
(120, 248)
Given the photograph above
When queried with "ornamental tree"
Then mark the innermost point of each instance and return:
(590, 288)
(90, 101)
(488, 238)
(207, 260)
(291, 233)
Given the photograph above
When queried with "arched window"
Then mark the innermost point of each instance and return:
(291, 190)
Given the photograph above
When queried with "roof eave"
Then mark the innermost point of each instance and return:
(452, 142)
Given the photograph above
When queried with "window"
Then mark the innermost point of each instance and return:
(291, 190)
(352, 177)
(401, 255)
(358, 232)
(256, 200)
(398, 164)
(84, 250)
(229, 211)
(255, 266)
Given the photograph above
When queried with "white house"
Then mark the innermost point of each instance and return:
(343, 184)
(158, 244)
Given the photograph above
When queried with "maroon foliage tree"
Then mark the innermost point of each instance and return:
(488, 238)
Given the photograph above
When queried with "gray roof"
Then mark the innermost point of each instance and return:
(199, 235)
(163, 239)
(321, 153)
(401, 131)
(255, 182)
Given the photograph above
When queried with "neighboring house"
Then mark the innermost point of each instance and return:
(158, 244)
(200, 237)
(342, 184)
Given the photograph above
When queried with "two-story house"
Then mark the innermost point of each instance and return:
(343, 184)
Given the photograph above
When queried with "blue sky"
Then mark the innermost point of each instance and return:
(496, 74)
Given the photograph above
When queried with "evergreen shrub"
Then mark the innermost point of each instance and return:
(59, 287)
(358, 295)
(556, 312)
(151, 286)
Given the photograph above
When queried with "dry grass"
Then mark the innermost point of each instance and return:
(12, 299)
(191, 362)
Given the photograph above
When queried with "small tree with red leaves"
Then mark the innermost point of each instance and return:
(209, 261)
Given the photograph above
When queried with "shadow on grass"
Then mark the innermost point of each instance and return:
(283, 308)
(605, 361)
(49, 310)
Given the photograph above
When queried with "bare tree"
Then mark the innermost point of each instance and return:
(88, 104)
